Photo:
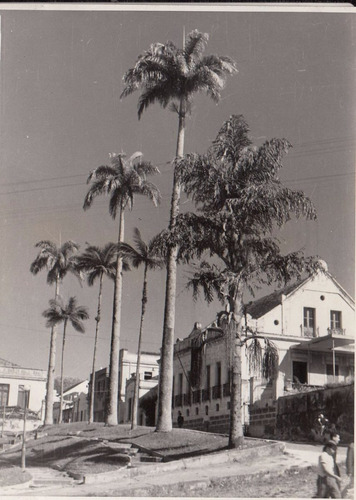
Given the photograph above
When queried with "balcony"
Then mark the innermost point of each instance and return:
(205, 394)
(178, 400)
(336, 331)
(226, 389)
(197, 396)
(309, 332)
(187, 399)
(216, 392)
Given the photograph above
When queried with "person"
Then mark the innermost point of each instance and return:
(328, 481)
(180, 420)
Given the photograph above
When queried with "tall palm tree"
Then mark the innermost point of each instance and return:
(121, 180)
(241, 204)
(172, 76)
(96, 262)
(59, 312)
(145, 255)
(58, 262)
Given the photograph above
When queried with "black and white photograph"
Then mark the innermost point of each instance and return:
(177, 266)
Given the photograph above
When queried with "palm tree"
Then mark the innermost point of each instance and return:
(172, 76)
(96, 262)
(241, 204)
(59, 312)
(122, 180)
(144, 255)
(58, 262)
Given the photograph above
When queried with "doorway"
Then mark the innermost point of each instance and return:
(300, 372)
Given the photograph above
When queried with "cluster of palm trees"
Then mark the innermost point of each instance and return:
(239, 200)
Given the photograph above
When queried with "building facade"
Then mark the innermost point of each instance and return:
(127, 369)
(312, 325)
(20, 386)
(75, 404)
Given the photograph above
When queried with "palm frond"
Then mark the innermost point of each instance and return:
(195, 44)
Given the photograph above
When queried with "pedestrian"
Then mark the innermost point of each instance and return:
(180, 420)
(328, 481)
(335, 439)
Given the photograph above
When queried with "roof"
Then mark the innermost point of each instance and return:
(3, 362)
(265, 304)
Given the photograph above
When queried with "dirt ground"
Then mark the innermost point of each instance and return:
(293, 483)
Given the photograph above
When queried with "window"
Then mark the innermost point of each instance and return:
(4, 394)
(309, 321)
(197, 411)
(208, 377)
(218, 373)
(335, 320)
(217, 408)
(23, 397)
(300, 372)
(147, 375)
(180, 383)
(207, 410)
(187, 412)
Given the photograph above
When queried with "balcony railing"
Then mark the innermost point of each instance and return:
(309, 331)
(226, 389)
(178, 400)
(197, 396)
(216, 392)
(205, 394)
(336, 331)
(187, 399)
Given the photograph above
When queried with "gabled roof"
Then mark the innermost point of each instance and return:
(265, 304)
(3, 362)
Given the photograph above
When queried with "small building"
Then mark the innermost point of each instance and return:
(19, 385)
(75, 404)
(311, 323)
(127, 368)
(146, 383)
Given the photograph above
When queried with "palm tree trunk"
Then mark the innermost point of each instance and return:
(62, 372)
(112, 406)
(236, 437)
(137, 380)
(164, 422)
(92, 387)
(48, 420)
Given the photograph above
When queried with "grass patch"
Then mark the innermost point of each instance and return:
(11, 475)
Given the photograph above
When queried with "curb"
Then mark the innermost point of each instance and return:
(271, 448)
(197, 484)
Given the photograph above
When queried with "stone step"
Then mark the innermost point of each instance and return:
(148, 458)
(41, 483)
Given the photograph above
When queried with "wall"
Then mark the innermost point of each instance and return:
(34, 380)
(297, 413)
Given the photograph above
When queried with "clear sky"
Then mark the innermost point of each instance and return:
(61, 77)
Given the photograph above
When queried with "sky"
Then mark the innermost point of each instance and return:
(61, 115)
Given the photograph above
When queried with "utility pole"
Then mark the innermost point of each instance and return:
(23, 449)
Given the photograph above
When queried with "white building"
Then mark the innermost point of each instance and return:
(312, 325)
(75, 404)
(127, 368)
(18, 385)
(146, 383)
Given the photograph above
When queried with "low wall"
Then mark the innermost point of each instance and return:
(297, 414)
(262, 421)
(218, 424)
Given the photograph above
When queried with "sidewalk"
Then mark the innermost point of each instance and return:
(194, 473)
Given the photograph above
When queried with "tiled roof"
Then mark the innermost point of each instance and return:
(3, 362)
(265, 304)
